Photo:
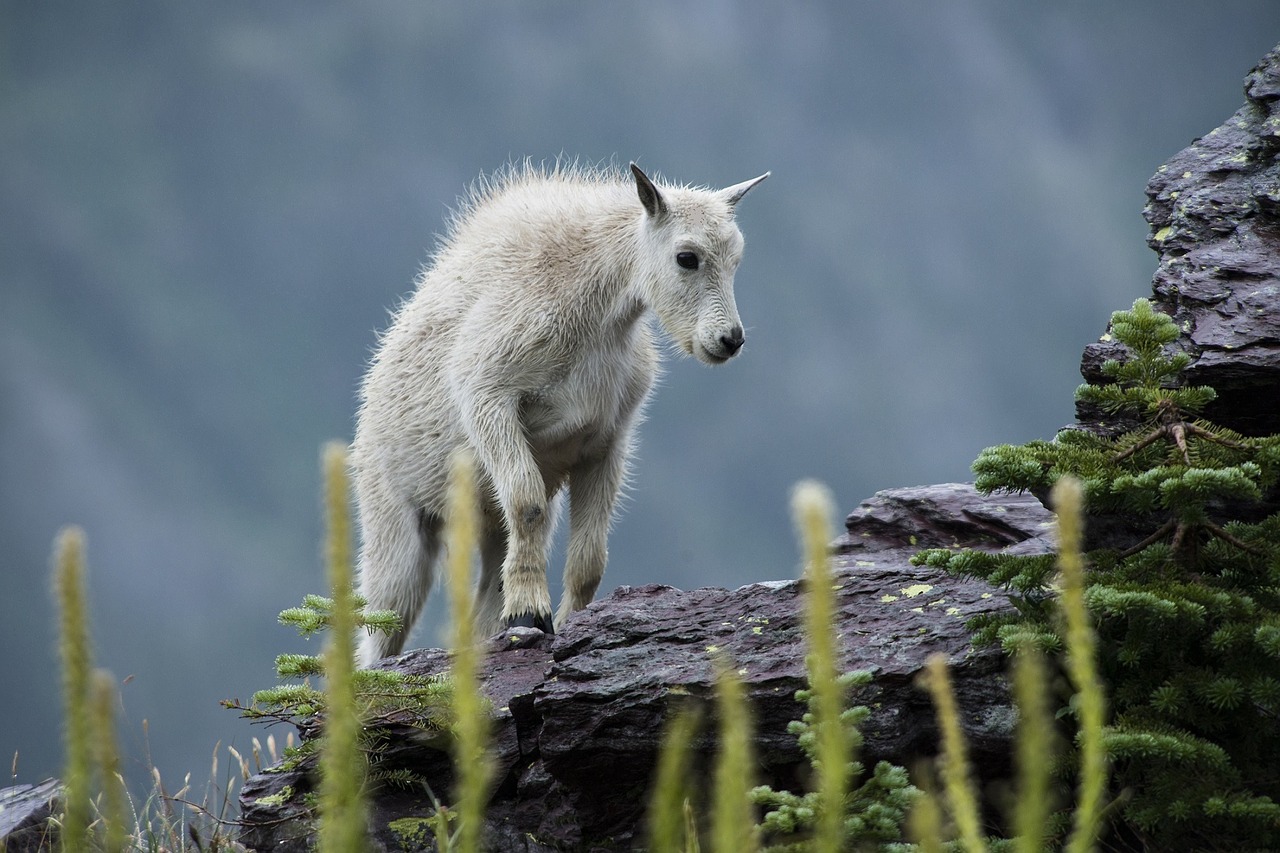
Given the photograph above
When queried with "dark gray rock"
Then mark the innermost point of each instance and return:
(1214, 211)
(579, 716)
(24, 816)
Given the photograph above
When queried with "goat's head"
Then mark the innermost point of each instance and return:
(690, 249)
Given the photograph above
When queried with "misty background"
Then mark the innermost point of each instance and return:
(207, 210)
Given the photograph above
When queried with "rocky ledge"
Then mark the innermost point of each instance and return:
(580, 715)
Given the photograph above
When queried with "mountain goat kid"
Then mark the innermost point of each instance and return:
(526, 342)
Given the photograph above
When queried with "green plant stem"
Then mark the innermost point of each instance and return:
(342, 762)
(954, 759)
(732, 821)
(812, 510)
(472, 719)
(925, 821)
(1034, 741)
(1068, 501)
(667, 828)
(74, 650)
(114, 804)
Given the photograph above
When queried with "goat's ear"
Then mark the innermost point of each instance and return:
(653, 202)
(734, 194)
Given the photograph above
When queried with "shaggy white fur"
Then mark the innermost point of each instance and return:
(525, 342)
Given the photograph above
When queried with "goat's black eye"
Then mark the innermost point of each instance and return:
(688, 260)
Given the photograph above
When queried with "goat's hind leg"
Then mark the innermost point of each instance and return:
(397, 563)
(493, 552)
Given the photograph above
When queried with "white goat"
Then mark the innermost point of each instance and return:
(525, 342)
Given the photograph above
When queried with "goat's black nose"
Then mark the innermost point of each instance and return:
(733, 340)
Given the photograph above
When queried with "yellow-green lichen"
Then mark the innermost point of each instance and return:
(414, 832)
(916, 589)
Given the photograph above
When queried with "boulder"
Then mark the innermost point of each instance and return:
(24, 816)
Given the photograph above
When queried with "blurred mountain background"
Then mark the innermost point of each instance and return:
(207, 210)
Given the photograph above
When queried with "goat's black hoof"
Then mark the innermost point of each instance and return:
(541, 621)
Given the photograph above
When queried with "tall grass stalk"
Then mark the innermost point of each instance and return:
(1081, 642)
(812, 508)
(667, 831)
(925, 821)
(342, 762)
(1034, 747)
(954, 759)
(74, 650)
(471, 759)
(114, 808)
(732, 821)
(691, 843)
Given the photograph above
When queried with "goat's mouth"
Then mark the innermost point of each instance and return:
(707, 356)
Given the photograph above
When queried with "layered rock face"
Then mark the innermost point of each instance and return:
(1214, 211)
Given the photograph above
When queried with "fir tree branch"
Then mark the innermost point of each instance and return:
(1160, 533)
(1222, 534)
(1147, 441)
(1201, 432)
(1178, 432)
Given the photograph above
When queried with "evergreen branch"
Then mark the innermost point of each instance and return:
(1155, 537)
(1146, 442)
(259, 715)
(1178, 432)
(1200, 432)
(1222, 534)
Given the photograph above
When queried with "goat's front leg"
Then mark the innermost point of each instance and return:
(593, 488)
(493, 425)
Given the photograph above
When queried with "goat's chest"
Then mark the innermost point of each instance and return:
(578, 413)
